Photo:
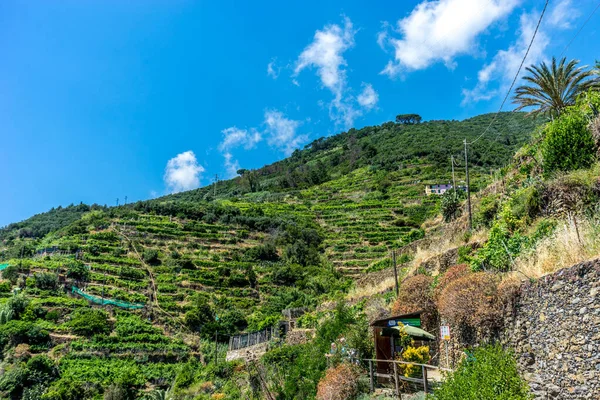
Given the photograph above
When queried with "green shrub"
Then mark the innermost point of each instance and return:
(200, 315)
(568, 144)
(266, 252)
(5, 287)
(17, 305)
(485, 214)
(89, 322)
(46, 281)
(150, 256)
(69, 389)
(414, 234)
(379, 265)
(11, 273)
(15, 332)
(489, 373)
(52, 315)
(526, 203)
(78, 271)
(451, 204)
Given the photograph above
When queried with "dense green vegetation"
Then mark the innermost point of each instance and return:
(44, 223)
(487, 373)
(539, 188)
(287, 235)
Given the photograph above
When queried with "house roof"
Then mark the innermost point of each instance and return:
(383, 321)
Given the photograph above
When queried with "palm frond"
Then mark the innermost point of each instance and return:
(549, 89)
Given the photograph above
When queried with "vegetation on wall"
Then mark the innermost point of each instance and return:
(486, 373)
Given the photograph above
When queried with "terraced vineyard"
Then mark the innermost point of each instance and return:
(137, 294)
(360, 223)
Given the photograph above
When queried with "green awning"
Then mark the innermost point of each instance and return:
(412, 331)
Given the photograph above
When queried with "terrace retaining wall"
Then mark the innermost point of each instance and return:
(555, 332)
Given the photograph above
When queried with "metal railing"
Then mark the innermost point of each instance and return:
(420, 380)
(250, 339)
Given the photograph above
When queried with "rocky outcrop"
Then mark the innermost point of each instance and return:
(555, 333)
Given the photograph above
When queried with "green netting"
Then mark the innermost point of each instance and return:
(3, 266)
(101, 301)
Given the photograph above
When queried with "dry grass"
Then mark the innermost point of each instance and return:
(574, 241)
(436, 248)
(440, 245)
(362, 292)
(445, 242)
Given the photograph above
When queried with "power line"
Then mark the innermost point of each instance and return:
(468, 188)
(579, 31)
(516, 75)
(561, 54)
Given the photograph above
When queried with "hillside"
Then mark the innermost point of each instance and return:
(225, 259)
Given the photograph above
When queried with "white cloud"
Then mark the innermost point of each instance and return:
(273, 70)
(326, 54)
(282, 132)
(235, 137)
(369, 97)
(441, 30)
(563, 15)
(183, 172)
(231, 165)
(495, 77)
(382, 36)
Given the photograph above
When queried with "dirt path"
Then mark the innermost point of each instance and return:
(151, 275)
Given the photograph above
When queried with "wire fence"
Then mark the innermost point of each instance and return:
(250, 339)
(103, 301)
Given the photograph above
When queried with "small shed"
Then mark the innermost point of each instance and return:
(386, 333)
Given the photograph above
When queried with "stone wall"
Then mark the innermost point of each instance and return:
(300, 336)
(555, 333)
(248, 353)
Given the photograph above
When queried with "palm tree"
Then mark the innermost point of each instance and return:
(552, 88)
(158, 394)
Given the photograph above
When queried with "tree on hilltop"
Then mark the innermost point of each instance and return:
(408, 119)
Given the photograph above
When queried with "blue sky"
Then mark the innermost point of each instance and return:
(105, 99)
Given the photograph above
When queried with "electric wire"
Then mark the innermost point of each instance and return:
(516, 75)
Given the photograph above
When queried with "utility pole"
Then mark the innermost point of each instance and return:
(215, 186)
(395, 272)
(216, 349)
(468, 187)
(117, 202)
(125, 200)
